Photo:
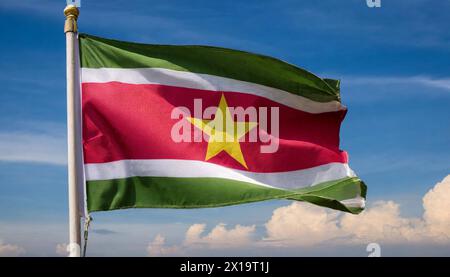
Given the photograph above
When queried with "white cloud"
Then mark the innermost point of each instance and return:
(437, 210)
(442, 83)
(10, 250)
(62, 250)
(438, 83)
(298, 224)
(382, 223)
(301, 224)
(304, 225)
(219, 236)
(157, 248)
(45, 143)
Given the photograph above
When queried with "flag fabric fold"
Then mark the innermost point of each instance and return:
(169, 126)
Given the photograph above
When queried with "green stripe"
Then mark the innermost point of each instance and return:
(341, 189)
(329, 194)
(171, 192)
(98, 52)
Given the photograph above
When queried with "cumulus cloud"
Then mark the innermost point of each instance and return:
(218, 237)
(299, 224)
(305, 225)
(437, 210)
(157, 248)
(10, 250)
(381, 223)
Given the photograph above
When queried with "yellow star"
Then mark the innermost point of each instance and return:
(224, 133)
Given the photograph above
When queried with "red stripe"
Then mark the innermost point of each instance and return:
(126, 121)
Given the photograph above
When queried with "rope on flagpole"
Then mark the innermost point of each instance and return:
(87, 222)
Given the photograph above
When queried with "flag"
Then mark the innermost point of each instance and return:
(168, 126)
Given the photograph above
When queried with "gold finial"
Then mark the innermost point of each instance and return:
(71, 12)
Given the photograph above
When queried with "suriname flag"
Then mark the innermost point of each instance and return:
(167, 126)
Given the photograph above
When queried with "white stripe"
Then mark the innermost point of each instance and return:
(195, 169)
(184, 79)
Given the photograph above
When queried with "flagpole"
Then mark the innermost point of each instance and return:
(70, 29)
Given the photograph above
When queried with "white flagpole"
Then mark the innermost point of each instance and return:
(70, 29)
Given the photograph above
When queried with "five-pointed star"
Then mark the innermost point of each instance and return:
(224, 133)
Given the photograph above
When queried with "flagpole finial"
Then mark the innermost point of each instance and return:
(71, 12)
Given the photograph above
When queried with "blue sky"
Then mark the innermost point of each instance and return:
(393, 62)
